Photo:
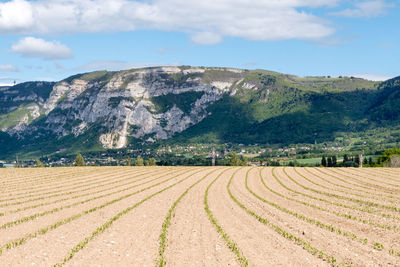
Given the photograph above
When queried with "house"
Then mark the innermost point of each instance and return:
(9, 165)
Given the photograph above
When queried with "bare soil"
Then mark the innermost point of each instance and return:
(113, 216)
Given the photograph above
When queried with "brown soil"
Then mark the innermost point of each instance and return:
(132, 239)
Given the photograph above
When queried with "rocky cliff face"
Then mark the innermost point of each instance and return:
(215, 105)
(149, 104)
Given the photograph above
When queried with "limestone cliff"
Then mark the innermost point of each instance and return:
(149, 104)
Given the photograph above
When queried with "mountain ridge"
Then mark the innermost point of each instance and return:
(111, 110)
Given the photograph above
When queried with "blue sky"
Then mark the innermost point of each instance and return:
(53, 39)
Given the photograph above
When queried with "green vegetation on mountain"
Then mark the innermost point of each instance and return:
(183, 101)
(14, 117)
(22, 94)
(256, 107)
(287, 110)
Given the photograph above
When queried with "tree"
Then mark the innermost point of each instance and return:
(139, 161)
(387, 154)
(370, 162)
(334, 161)
(39, 164)
(234, 159)
(243, 161)
(79, 161)
(357, 160)
(330, 164)
(128, 161)
(275, 163)
(394, 161)
(365, 161)
(345, 158)
(323, 161)
(151, 162)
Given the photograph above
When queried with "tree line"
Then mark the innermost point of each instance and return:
(350, 161)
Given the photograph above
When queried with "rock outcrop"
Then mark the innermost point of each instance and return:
(148, 104)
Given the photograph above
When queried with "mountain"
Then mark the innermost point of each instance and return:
(111, 110)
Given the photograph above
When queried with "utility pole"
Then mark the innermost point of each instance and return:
(361, 160)
(213, 157)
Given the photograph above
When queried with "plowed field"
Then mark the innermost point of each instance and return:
(200, 216)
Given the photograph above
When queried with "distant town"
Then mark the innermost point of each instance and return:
(207, 155)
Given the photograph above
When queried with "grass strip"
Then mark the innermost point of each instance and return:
(79, 186)
(229, 242)
(361, 183)
(78, 196)
(167, 222)
(358, 201)
(328, 227)
(40, 214)
(372, 195)
(44, 179)
(42, 231)
(345, 215)
(106, 225)
(62, 184)
(306, 245)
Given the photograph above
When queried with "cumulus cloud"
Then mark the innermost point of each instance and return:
(16, 16)
(366, 9)
(36, 47)
(206, 21)
(8, 67)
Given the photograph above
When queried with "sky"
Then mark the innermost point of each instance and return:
(54, 39)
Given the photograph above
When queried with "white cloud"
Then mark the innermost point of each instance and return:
(366, 9)
(35, 47)
(372, 76)
(8, 67)
(15, 16)
(206, 38)
(206, 21)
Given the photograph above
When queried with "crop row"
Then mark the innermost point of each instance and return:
(57, 224)
(379, 173)
(75, 185)
(358, 201)
(228, 240)
(40, 214)
(127, 180)
(67, 181)
(63, 193)
(167, 221)
(325, 226)
(338, 204)
(29, 182)
(365, 178)
(360, 183)
(108, 224)
(368, 193)
(299, 241)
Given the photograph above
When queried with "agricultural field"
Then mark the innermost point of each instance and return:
(200, 216)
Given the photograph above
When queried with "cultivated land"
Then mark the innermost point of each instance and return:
(199, 216)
